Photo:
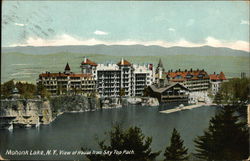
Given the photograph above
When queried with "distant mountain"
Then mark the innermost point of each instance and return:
(128, 50)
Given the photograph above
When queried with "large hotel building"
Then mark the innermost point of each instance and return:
(125, 78)
(67, 82)
(109, 80)
(112, 78)
(194, 80)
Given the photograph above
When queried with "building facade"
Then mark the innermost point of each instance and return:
(175, 92)
(127, 79)
(89, 67)
(194, 80)
(216, 81)
(108, 80)
(118, 79)
(166, 91)
(143, 77)
(68, 82)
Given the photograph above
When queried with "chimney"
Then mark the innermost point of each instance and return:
(85, 59)
(150, 66)
(122, 61)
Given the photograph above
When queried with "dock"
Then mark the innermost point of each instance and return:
(186, 108)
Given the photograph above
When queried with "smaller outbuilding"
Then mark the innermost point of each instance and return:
(174, 92)
(15, 93)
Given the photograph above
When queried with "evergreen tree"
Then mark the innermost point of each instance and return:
(26, 90)
(132, 140)
(226, 138)
(218, 98)
(7, 88)
(42, 91)
(176, 151)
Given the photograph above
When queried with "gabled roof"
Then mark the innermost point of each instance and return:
(160, 63)
(88, 62)
(161, 90)
(64, 75)
(220, 76)
(213, 77)
(184, 74)
(124, 62)
(67, 67)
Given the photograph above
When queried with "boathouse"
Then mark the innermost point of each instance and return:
(174, 92)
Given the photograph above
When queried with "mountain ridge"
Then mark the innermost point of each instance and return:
(130, 50)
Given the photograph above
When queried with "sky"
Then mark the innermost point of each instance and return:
(169, 23)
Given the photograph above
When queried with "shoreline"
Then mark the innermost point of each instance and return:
(189, 107)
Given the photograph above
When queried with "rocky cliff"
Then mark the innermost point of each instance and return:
(33, 112)
(24, 113)
(76, 103)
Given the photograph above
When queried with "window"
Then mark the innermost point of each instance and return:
(178, 77)
(189, 76)
(200, 76)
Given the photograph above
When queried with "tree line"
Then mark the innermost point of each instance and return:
(233, 91)
(26, 90)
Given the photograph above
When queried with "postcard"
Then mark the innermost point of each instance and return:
(125, 80)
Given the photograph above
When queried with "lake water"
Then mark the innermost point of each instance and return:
(71, 131)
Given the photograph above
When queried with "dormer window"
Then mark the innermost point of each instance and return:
(178, 77)
(200, 76)
(189, 76)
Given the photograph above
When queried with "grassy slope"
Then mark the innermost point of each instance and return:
(27, 67)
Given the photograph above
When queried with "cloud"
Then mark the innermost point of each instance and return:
(171, 29)
(19, 24)
(244, 22)
(70, 40)
(98, 32)
(238, 45)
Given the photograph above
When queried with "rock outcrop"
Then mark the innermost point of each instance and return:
(24, 113)
(77, 103)
(143, 101)
(33, 112)
(111, 103)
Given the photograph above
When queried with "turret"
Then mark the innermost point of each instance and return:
(88, 66)
(160, 75)
(160, 69)
(67, 69)
(124, 63)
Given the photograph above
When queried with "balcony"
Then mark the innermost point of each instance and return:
(174, 96)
